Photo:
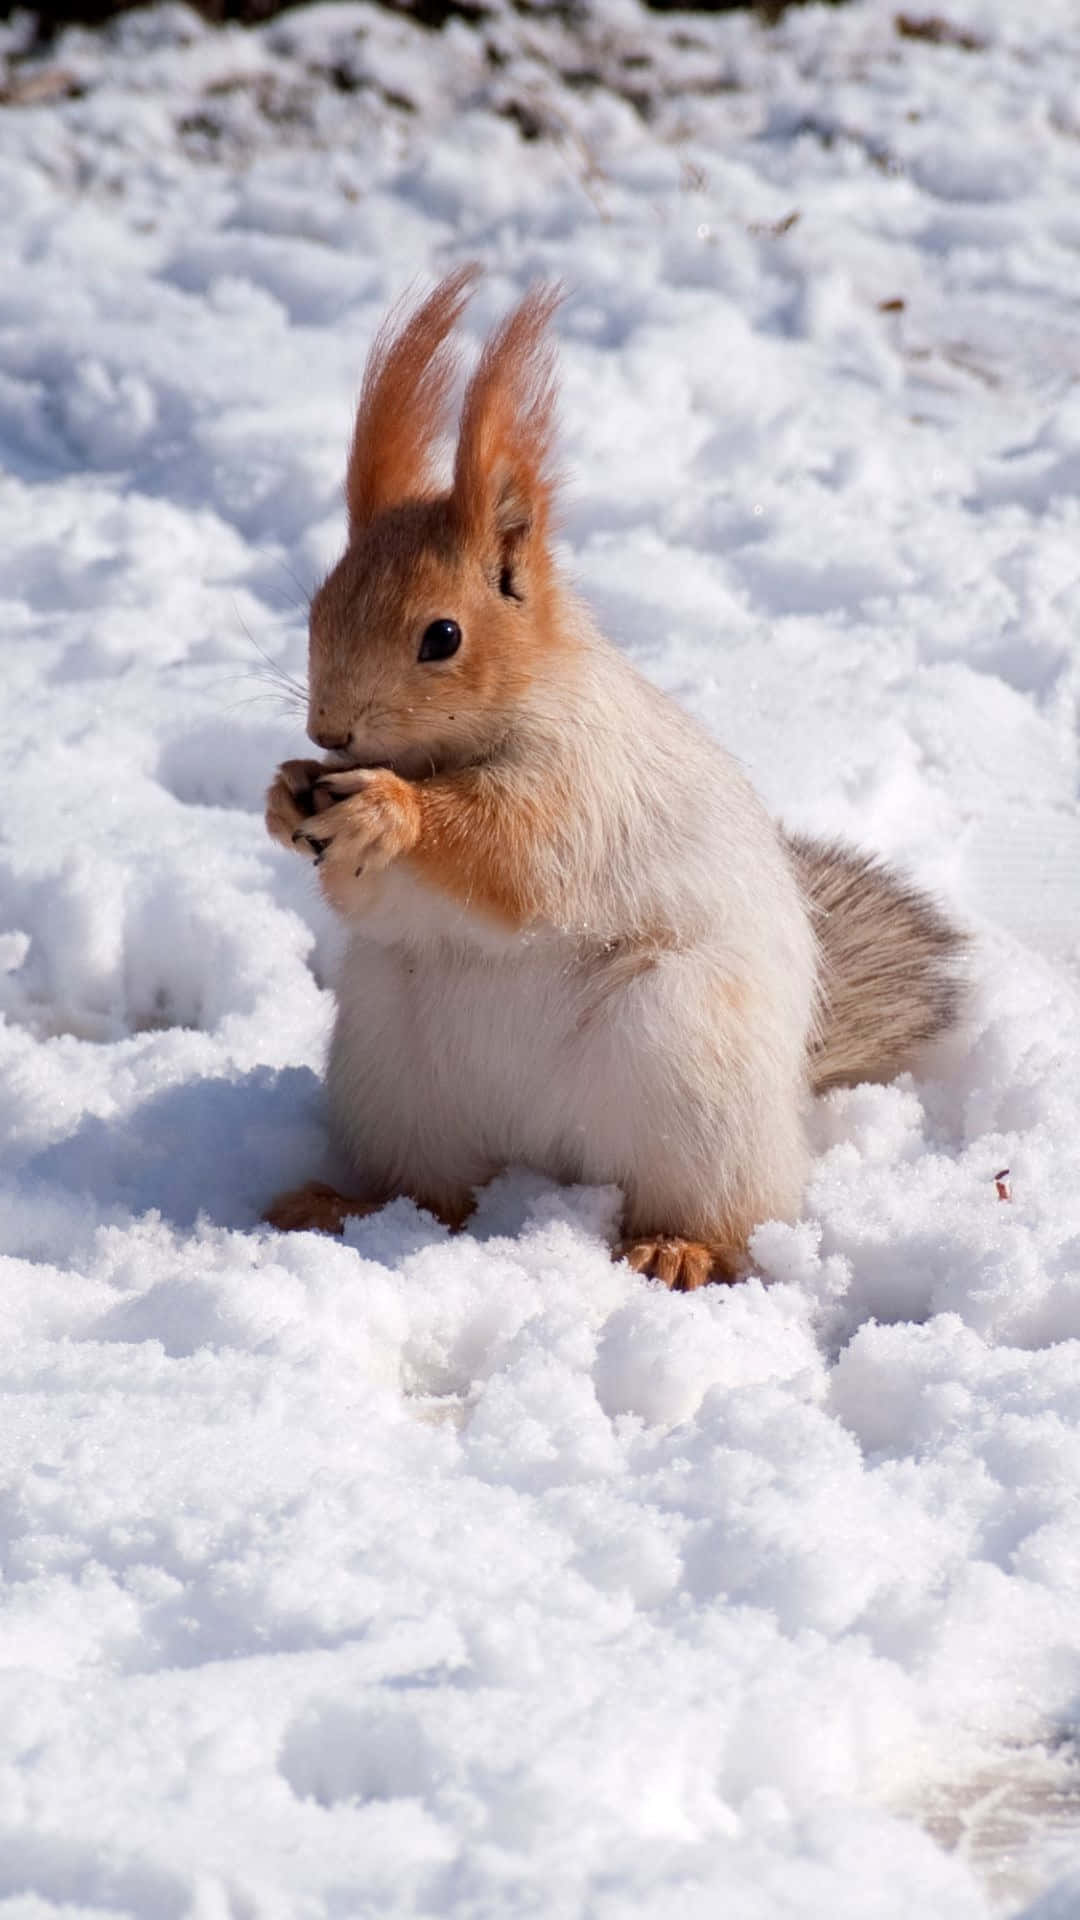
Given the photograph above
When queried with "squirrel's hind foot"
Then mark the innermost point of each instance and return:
(315, 1208)
(683, 1265)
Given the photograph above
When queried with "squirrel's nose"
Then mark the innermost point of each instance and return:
(332, 742)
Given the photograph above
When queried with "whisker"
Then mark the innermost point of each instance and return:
(289, 698)
(306, 594)
(280, 702)
(273, 667)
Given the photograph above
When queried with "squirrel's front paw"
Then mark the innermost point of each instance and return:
(292, 799)
(368, 816)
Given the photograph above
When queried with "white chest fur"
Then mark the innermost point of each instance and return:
(666, 1070)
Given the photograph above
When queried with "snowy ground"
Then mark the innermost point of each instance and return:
(425, 1577)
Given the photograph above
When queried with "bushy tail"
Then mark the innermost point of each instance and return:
(892, 965)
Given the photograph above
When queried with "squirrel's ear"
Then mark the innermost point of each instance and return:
(404, 404)
(503, 484)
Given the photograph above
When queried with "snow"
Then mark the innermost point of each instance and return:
(416, 1575)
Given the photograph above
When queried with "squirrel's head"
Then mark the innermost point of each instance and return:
(428, 633)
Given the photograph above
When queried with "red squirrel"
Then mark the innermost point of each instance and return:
(577, 941)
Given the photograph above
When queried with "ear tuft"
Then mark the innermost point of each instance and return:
(503, 483)
(404, 403)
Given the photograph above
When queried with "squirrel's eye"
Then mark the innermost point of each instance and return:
(441, 639)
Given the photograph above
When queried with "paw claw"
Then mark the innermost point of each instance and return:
(315, 844)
